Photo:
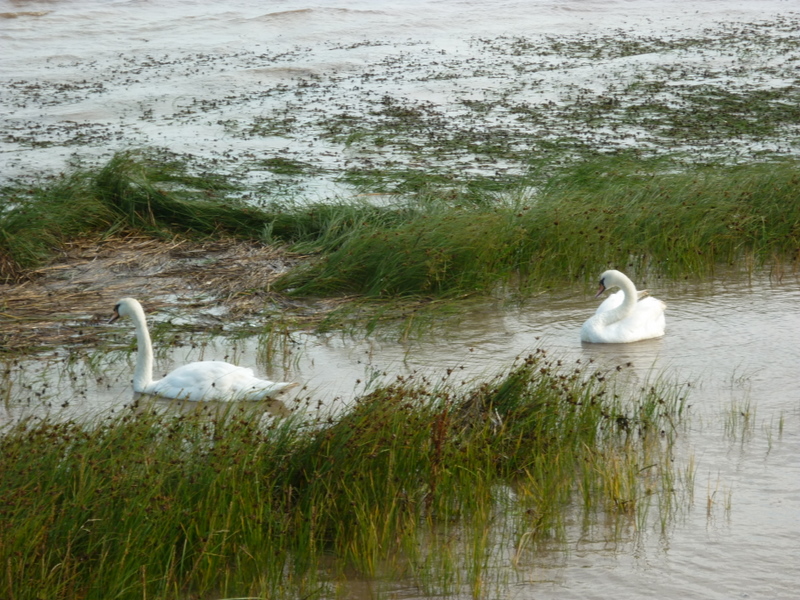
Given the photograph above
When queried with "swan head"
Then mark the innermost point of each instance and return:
(126, 307)
(610, 279)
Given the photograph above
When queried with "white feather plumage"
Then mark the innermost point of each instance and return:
(209, 380)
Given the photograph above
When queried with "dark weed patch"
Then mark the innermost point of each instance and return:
(285, 166)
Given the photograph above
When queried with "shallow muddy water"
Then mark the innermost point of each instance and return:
(734, 343)
(737, 345)
(301, 100)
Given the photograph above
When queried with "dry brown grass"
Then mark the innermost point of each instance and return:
(53, 304)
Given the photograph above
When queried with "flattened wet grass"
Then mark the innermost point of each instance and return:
(643, 217)
(134, 191)
(611, 213)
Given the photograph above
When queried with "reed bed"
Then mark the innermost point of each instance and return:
(220, 502)
(636, 216)
(598, 216)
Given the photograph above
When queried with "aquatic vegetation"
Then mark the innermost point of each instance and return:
(639, 216)
(142, 191)
(616, 212)
(223, 503)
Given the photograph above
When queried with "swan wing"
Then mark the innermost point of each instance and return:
(610, 303)
(645, 322)
(215, 381)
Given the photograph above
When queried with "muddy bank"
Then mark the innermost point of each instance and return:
(372, 108)
(210, 280)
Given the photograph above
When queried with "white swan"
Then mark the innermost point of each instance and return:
(209, 380)
(624, 317)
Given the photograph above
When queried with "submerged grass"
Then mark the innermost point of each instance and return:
(207, 504)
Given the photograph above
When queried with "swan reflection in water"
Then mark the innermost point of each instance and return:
(147, 403)
(625, 316)
(207, 381)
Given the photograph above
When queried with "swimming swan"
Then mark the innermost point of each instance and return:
(625, 316)
(209, 380)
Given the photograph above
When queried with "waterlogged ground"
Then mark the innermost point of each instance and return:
(317, 102)
(730, 346)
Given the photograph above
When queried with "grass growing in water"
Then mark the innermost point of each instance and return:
(612, 213)
(601, 215)
(199, 505)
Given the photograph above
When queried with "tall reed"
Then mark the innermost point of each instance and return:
(220, 502)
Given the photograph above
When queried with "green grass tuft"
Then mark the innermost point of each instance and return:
(133, 191)
(615, 212)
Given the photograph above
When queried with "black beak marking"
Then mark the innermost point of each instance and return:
(602, 288)
(115, 315)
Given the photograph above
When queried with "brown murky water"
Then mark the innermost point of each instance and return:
(736, 343)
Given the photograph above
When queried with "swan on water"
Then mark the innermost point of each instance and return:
(624, 316)
(209, 380)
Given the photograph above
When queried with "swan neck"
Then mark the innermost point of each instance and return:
(631, 295)
(628, 302)
(143, 374)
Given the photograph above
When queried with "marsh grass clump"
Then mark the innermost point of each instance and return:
(140, 191)
(614, 212)
(677, 224)
(434, 251)
(33, 224)
(220, 502)
(129, 503)
(160, 195)
(642, 217)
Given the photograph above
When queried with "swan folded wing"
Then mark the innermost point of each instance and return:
(645, 322)
(610, 303)
(215, 381)
(651, 309)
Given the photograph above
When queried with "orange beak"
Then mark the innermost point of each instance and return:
(601, 290)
